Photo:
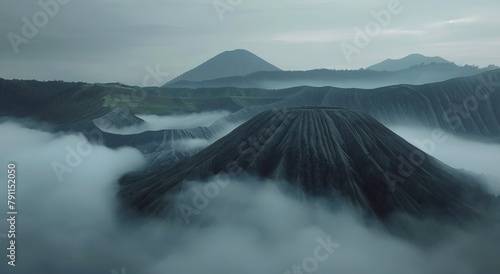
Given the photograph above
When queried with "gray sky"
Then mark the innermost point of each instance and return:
(121, 40)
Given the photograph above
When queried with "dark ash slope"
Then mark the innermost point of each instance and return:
(322, 152)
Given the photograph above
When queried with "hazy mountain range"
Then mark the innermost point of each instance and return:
(414, 69)
(407, 62)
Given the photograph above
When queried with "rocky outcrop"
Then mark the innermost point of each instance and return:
(118, 118)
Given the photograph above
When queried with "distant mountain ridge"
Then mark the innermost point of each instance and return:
(363, 78)
(243, 69)
(67, 105)
(229, 63)
(407, 62)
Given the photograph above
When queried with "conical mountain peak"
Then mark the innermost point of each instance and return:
(323, 152)
(238, 62)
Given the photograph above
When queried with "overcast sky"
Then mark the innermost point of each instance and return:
(122, 40)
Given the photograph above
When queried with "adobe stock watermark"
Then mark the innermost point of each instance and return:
(454, 116)
(363, 36)
(75, 155)
(470, 104)
(248, 150)
(221, 7)
(31, 26)
(408, 165)
(123, 271)
(320, 254)
(155, 77)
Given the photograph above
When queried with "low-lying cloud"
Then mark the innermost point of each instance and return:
(178, 121)
(475, 156)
